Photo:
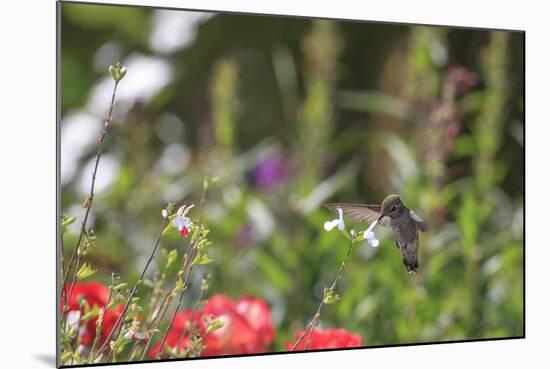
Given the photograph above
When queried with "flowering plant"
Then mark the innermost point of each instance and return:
(244, 326)
(327, 339)
(285, 130)
(89, 301)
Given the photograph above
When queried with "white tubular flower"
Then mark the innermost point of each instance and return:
(136, 336)
(184, 210)
(181, 222)
(329, 225)
(370, 236)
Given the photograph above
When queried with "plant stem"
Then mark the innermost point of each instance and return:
(190, 250)
(133, 292)
(62, 247)
(178, 307)
(163, 308)
(310, 327)
(98, 328)
(88, 206)
(193, 312)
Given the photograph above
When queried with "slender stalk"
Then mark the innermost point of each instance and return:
(62, 248)
(312, 324)
(98, 327)
(178, 307)
(133, 292)
(67, 300)
(134, 352)
(88, 206)
(194, 311)
(163, 308)
(191, 250)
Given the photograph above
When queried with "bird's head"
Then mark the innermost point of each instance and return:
(391, 207)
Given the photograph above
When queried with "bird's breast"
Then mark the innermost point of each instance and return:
(404, 233)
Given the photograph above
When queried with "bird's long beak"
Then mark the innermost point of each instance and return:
(382, 215)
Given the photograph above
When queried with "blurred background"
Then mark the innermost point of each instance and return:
(291, 113)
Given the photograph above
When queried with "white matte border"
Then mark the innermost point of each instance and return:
(27, 194)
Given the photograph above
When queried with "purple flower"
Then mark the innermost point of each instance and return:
(461, 79)
(245, 235)
(269, 172)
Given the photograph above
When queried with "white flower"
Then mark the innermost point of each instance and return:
(184, 210)
(181, 222)
(136, 336)
(329, 225)
(370, 236)
(73, 321)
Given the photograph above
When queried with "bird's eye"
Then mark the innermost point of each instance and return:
(393, 208)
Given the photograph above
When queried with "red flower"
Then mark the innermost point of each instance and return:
(328, 338)
(247, 327)
(258, 316)
(95, 294)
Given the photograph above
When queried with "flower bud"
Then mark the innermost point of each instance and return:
(118, 71)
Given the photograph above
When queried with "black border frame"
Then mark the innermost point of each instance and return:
(58, 5)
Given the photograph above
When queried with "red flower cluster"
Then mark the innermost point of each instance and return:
(247, 327)
(326, 339)
(95, 294)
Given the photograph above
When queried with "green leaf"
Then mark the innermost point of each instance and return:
(77, 358)
(66, 356)
(85, 271)
(91, 314)
(120, 286)
(202, 259)
(179, 285)
(120, 343)
(148, 283)
(214, 325)
(169, 224)
(66, 221)
(172, 256)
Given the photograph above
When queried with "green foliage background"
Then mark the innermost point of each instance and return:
(355, 111)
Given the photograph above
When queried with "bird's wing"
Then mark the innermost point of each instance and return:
(420, 224)
(360, 212)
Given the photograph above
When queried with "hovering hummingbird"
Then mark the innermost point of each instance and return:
(404, 223)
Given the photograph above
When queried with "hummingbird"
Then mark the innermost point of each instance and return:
(392, 213)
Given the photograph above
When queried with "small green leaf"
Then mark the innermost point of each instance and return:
(66, 356)
(120, 286)
(172, 256)
(66, 221)
(77, 358)
(214, 324)
(202, 259)
(85, 271)
(179, 285)
(91, 314)
(148, 283)
(168, 224)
